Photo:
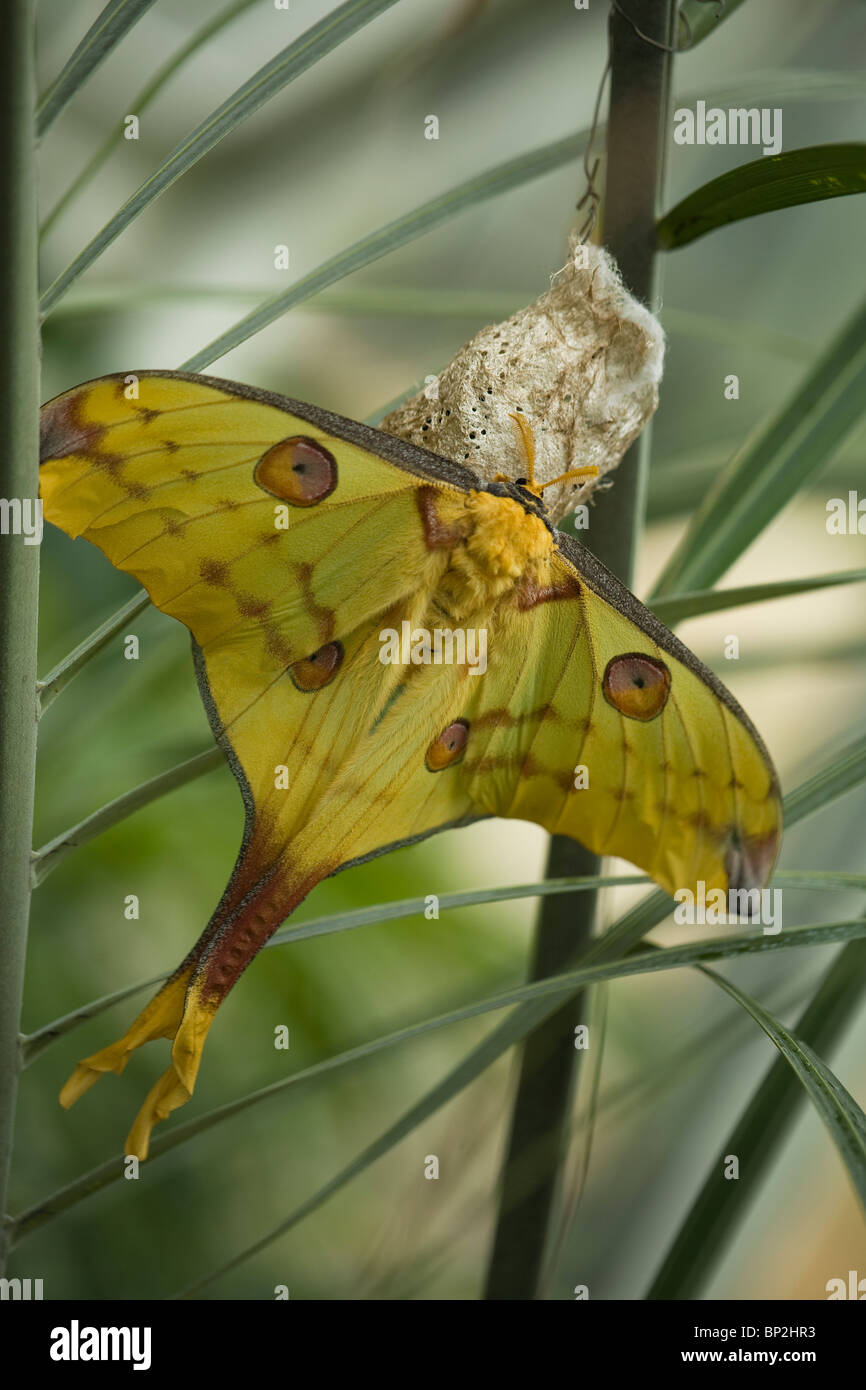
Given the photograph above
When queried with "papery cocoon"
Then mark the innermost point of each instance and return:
(583, 365)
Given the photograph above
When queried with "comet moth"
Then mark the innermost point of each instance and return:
(340, 756)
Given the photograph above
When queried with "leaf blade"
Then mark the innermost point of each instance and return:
(140, 103)
(773, 464)
(712, 1218)
(103, 36)
(535, 1001)
(317, 41)
(401, 230)
(678, 607)
(769, 184)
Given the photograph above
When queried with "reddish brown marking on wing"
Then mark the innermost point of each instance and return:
(531, 593)
(63, 432)
(245, 932)
(136, 490)
(214, 572)
(493, 718)
(249, 606)
(748, 862)
(276, 644)
(322, 616)
(437, 534)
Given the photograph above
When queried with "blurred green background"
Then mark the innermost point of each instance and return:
(335, 156)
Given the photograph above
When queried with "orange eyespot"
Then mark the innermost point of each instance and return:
(449, 747)
(317, 670)
(637, 685)
(298, 470)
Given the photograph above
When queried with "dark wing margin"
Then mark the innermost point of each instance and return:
(409, 457)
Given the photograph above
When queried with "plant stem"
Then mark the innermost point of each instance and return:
(639, 99)
(19, 562)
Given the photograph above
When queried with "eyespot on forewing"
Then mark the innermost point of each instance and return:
(637, 685)
(299, 471)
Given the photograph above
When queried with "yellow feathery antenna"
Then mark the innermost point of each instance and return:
(589, 471)
(528, 437)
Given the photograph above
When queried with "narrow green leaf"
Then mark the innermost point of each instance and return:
(51, 854)
(497, 1042)
(819, 878)
(836, 1106)
(102, 38)
(711, 328)
(681, 483)
(775, 181)
(59, 677)
(404, 229)
(622, 937)
(758, 1135)
(140, 103)
(34, 1044)
(545, 994)
(675, 609)
(390, 301)
(846, 771)
(772, 465)
(296, 58)
(768, 86)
